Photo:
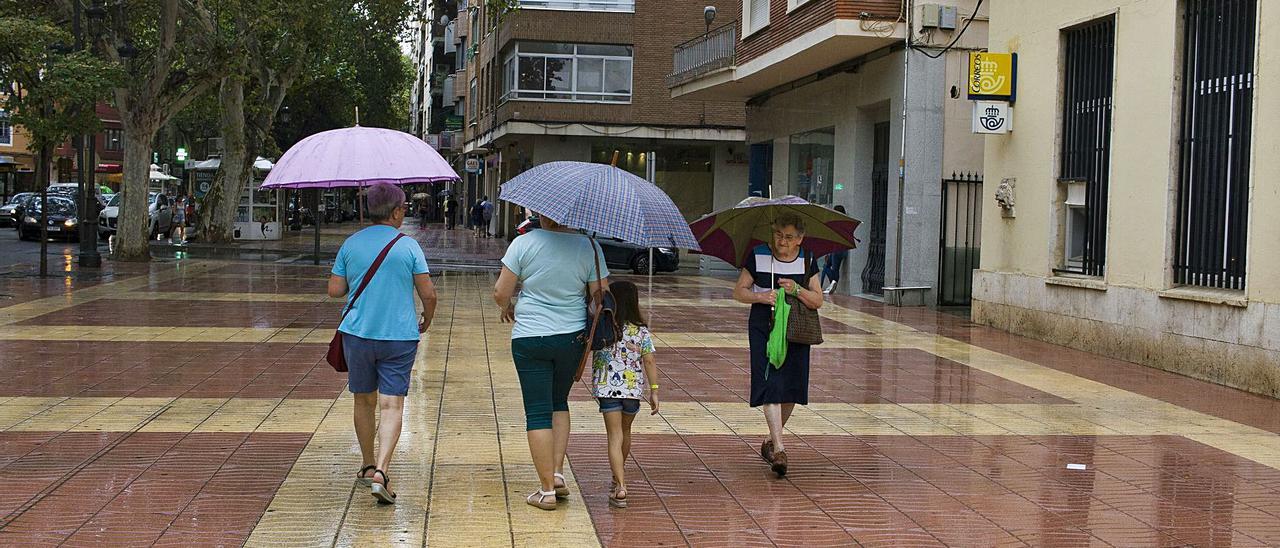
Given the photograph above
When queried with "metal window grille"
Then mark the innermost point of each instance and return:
(873, 272)
(1086, 130)
(1217, 113)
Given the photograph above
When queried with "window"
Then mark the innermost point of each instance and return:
(755, 16)
(472, 99)
(6, 130)
(463, 53)
(793, 4)
(1086, 144)
(581, 5)
(113, 140)
(568, 72)
(813, 164)
(1217, 115)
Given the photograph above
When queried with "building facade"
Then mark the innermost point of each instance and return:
(1138, 184)
(837, 100)
(17, 161)
(584, 80)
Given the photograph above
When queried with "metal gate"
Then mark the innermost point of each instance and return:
(873, 273)
(961, 239)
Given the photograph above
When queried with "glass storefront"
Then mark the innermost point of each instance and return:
(813, 164)
(684, 172)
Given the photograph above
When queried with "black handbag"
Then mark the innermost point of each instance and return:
(603, 329)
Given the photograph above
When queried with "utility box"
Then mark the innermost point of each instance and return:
(930, 16)
(947, 18)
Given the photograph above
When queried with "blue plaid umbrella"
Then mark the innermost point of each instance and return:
(601, 199)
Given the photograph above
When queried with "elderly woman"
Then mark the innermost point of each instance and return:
(380, 330)
(553, 267)
(782, 266)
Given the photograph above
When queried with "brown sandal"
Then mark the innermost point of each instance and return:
(766, 451)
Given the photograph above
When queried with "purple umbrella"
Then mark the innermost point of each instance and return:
(356, 157)
(359, 156)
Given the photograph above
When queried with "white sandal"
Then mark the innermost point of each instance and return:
(562, 490)
(541, 497)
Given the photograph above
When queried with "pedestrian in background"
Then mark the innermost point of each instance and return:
(782, 266)
(477, 218)
(380, 331)
(450, 209)
(553, 266)
(179, 220)
(486, 214)
(834, 262)
(618, 376)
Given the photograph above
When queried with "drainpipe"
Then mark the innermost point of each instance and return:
(902, 153)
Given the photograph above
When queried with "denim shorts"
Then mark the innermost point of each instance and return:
(383, 366)
(626, 405)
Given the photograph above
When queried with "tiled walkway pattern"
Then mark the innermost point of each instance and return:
(189, 403)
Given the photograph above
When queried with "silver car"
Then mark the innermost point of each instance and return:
(159, 210)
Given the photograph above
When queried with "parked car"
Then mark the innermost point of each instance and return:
(158, 209)
(62, 220)
(623, 255)
(73, 190)
(11, 212)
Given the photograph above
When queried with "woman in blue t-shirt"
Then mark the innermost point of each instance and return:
(553, 267)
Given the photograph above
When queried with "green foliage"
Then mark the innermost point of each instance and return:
(360, 65)
(56, 92)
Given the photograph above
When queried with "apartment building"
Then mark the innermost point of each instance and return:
(584, 80)
(859, 103)
(17, 163)
(1138, 183)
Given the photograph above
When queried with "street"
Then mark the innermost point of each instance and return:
(201, 387)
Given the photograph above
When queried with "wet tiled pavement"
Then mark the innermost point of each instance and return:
(188, 403)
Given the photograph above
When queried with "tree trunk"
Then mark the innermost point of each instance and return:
(217, 223)
(134, 230)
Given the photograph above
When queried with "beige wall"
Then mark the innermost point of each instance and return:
(1134, 312)
(1144, 143)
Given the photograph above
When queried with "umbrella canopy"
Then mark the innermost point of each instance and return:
(358, 156)
(158, 176)
(601, 199)
(731, 234)
(262, 164)
(420, 196)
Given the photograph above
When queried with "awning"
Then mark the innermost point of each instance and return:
(108, 168)
(7, 160)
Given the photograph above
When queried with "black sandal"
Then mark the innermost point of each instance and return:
(363, 480)
(382, 491)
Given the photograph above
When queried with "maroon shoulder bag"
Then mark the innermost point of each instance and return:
(335, 357)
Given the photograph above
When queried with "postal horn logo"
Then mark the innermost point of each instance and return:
(992, 120)
(987, 76)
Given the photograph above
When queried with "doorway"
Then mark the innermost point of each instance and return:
(873, 272)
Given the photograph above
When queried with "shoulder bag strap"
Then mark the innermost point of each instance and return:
(595, 320)
(373, 269)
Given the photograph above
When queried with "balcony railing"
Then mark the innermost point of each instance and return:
(709, 52)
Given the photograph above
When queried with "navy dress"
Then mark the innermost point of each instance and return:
(790, 383)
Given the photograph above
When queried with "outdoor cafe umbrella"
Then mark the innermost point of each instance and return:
(357, 157)
(732, 233)
(602, 200)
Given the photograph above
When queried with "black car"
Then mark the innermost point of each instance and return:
(63, 222)
(11, 212)
(623, 255)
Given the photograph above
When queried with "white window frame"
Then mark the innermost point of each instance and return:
(793, 5)
(511, 69)
(6, 136)
(617, 6)
(750, 26)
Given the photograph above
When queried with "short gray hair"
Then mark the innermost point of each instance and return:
(382, 199)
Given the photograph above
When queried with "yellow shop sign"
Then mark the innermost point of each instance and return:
(993, 75)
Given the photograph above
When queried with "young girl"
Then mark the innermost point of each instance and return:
(618, 375)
